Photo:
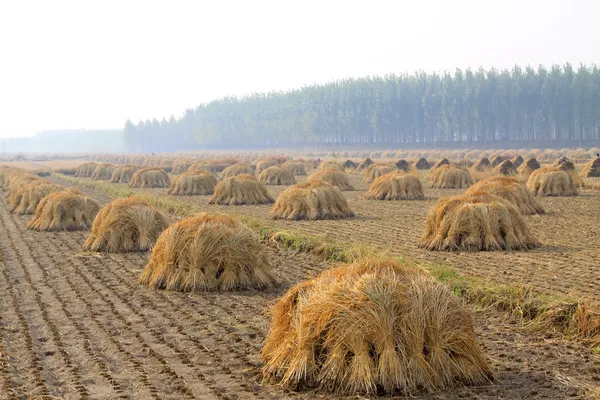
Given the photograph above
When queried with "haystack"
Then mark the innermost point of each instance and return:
(265, 163)
(313, 199)
(297, 168)
(201, 167)
(181, 166)
(396, 185)
(86, 170)
(277, 175)
(150, 177)
(505, 168)
(349, 164)
(193, 184)
(208, 252)
(28, 197)
(123, 173)
(517, 161)
(422, 164)
(403, 165)
(376, 170)
(440, 163)
(476, 221)
(103, 172)
(591, 169)
(450, 177)
(560, 160)
(482, 165)
(511, 190)
(497, 161)
(528, 167)
(237, 169)
(331, 164)
(464, 163)
(67, 210)
(551, 182)
(241, 189)
(126, 225)
(15, 180)
(374, 327)
(365, 164)
(570, 169)
(334, 177)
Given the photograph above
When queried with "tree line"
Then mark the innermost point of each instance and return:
(559, 105)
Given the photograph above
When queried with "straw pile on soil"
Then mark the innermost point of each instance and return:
(440, 163)
(373, 327)
(422, 164)
(396, 186)
(123, 173)
(103, 172)
(193, 184)
(450, 177)
(312, 200)
(482, 165)
(208, 252)
(559, 161)
(237, 169)
(551, 182)
(476, 221)
(297, 168)
(497, 161)
(277, 175)
(403, 165)
(334, 177)
(241, 189)
(181, 166)
(16, 180)
(591, 169)
(126, 225)
(511, 190)
(517, 161)
(263, 164)
(505, 168)
(150, 177)
(86, 170)
(331, 164)
(64, 211)
(349, 164)
(365, 164)
(29, 196)
(376, 170)
(528, 167)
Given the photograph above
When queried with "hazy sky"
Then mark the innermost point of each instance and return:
(93, 64)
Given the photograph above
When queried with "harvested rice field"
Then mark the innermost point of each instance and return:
(77, 325)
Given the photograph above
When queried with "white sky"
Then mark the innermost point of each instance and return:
(93, 64)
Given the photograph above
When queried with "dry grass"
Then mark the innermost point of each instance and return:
(440, 163)
(476, 221)
(241, 189)
(265, 163)
(517, 161)
(208, 252)
(103, 172)
(18, 181)
(551, 182)
(277, 175)
(181, 166)
(591, 169)
(312, 200)
(67, 210)
(450, 177)
(505, 168)
(28, 197)
(497, 161)
(350, 165)
(202, 167)
(365, 164)
(126, 225)
(86, 170)
(403, 165)
(482, 165)
(396, 185)
(527, 168)
(511, 190)
(330, 165)
(334, 177)
(123, 173)
(237, 169)
(297, 168)
(373, 327)
(150, 177)
(376, 170)
(193, 184)
(422, 164)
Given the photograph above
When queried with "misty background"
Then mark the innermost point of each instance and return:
(77, 71)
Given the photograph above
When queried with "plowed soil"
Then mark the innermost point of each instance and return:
(77, 325)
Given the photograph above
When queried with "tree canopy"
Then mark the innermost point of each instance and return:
(558, 104)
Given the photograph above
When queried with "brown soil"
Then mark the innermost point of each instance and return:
(77, 325)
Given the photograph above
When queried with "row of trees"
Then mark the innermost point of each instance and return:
(559, 104)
